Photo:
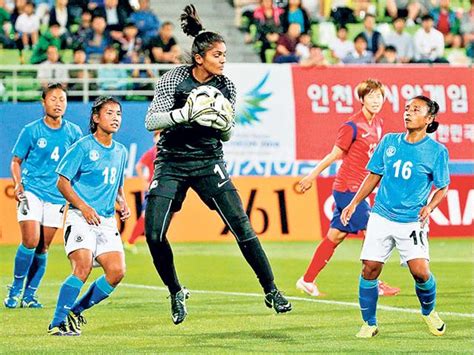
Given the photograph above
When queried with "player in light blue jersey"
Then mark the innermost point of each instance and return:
(91, 177)
(36, 154)
(407, 165)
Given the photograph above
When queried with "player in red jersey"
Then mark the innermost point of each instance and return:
(145, 169)
(355, 144)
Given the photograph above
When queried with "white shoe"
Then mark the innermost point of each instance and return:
(308, 287)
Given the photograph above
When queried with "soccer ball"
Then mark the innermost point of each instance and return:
(207, 99)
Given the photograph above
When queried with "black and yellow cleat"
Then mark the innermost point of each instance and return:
(75, 322)
(61, 330)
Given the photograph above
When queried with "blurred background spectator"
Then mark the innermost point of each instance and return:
(163, 47)
(445, 21)
(146, 21)
(375, 43)
(401, 40)
(360, 54)
(286, 45)
(294, 13)
(27, 25)
(429, 43)
(50, 69)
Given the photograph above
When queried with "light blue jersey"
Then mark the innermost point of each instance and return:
(41, 148)
(409, 170)
(96, 172)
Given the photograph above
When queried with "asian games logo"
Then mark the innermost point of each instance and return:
(42, 143)
(391, 151)
(93, 155)
(250, 106)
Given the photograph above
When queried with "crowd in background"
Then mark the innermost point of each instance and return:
(427, 31)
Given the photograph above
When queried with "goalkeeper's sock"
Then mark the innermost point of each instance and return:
(257, 259)
(321, 257)
(98, 291)
(368, 297)
(426, 292)
(67, 296)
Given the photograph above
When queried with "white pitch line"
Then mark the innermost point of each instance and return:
(312, 300)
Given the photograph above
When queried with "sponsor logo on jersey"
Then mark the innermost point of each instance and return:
(391, 151)
(42, 143)
(94, 155)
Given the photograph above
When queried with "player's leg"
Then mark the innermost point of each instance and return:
(413, 246)
(157, 220)
(81, 261)
(38, 268)
(321, 257)
(29, 216)
(376, 249)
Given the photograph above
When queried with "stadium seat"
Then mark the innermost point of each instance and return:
(269, 55)
(353, 29)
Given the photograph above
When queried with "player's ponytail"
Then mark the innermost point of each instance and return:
(433, 109)
(96, 106)
(192, 26)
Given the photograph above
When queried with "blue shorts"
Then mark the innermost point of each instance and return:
(358, 220)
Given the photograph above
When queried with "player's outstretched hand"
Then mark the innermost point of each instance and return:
(424, 215)
(305, 183)
(90, 215)
(347, 214)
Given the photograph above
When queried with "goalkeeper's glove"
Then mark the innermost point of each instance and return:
(221, 119)
(195, 106)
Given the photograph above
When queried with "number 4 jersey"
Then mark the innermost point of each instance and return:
(408, 172)
(96, 172)
(41, 148)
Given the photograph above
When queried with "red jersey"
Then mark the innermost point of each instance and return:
(148, 159)
(358, 139)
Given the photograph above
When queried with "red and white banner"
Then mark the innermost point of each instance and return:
(325, 98)
(454, 217)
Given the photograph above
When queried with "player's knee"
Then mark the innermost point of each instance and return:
(420, 275)
(82, 271)
(115, 275)
(371, 270)
(30, 243)
(241, 227)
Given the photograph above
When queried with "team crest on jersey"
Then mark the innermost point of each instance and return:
(391, 151)
(93, 155)
(79, 239)
(42, 143)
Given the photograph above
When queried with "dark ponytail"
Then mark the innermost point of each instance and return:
(96, 106)
(192, 26)
(433, 109)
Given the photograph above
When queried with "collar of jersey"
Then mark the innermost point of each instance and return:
(417, 143)
(103, 146)
(53, 129)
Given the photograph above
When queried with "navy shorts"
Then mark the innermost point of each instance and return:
(358, 220)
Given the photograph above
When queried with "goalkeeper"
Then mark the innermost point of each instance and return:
(188, 106)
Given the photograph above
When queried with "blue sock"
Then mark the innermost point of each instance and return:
(99, 290)
(23, 259)
(368, 296)
(35, 275)
(426, 293)
(67, 296)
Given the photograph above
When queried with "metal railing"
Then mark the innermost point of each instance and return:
(21, 82)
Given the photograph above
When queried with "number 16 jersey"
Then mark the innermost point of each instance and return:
(408, 171)
(96, 172)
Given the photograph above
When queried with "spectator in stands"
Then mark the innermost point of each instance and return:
(360, 54)
(267, 19)
(60, 14)
(294, 13)
(457, 54)
(163, 48)
(303, 47)
(401, 40)
(27, 25)
(347, 11)
(43, 8)
(445, 21)
(286, 45)
(5, 27)
(84, 31)
(17, 11)
(97, 40)
(146, 21)
(140, 58)
(109, 77)
(50, 70)
(79, 58)
(50, 38)
(467, 31)
(389, 56)
(314, 9)
(315, 59)
(410, 9)
(129, 42)
(429, 43)
(374, 38)
(115, 16)
(341, 46)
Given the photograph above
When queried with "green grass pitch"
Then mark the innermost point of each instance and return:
(227, 312)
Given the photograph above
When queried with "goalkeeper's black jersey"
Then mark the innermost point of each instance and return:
(184, 141)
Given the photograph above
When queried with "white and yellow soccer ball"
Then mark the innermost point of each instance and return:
(208, 107)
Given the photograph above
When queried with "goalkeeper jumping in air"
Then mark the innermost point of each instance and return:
(194, 106)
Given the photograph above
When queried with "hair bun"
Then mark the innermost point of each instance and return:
(432, 127)
(190, 22)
